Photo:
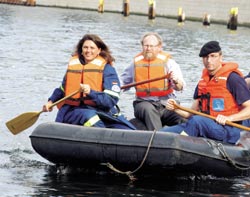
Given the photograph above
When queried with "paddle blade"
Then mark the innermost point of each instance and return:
(22, 122)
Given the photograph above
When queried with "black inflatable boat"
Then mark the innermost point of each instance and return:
(150, 153)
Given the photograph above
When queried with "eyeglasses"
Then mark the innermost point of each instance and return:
(150, 46)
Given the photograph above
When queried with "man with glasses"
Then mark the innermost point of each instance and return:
(221, 92)
(153, 62)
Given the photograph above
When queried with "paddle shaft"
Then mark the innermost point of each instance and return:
(212, 117)
(64, 98)
(123, 87)
(145, 81)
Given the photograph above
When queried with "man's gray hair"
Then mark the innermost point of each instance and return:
(152, 34)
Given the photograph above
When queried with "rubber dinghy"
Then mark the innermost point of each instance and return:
(168, 154)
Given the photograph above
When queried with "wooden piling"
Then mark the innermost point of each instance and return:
(151, 9)
(181, 15)
(206, 19)
(101, 6)
(125, 7)
(233, 19)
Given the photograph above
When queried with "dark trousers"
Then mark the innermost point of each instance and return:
(154, 115)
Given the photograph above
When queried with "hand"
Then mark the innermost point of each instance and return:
(170, 105)
(174, 77)
(47, 107)
(85, 88)
(221, 119)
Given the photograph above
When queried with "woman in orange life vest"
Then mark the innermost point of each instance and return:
(221, 92)
(90, 68)
(149, 105)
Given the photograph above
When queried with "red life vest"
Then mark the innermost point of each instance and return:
(91, 73)
(149, 69)
(214, 97)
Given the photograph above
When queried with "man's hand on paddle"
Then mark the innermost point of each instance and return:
(221, 119)
(170, 104)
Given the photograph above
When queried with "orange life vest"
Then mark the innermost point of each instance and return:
(214, 97)
(149, 69)
(91, 73)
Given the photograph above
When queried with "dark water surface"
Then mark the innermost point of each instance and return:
(36, 43)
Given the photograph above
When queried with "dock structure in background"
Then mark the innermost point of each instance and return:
(20, 2)
(165, 8)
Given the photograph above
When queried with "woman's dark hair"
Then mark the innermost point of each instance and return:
(105, 52)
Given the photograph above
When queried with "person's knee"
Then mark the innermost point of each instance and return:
(196, 119)
(91, 119)
(144, 106)
(143, 109)
(89, 113)
(199, 126)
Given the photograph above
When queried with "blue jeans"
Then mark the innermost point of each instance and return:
(200, 126)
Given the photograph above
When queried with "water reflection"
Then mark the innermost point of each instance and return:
(78, 183)
(36, 43)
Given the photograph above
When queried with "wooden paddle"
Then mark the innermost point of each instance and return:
(146, 81)
(211, 117)
(25, 120)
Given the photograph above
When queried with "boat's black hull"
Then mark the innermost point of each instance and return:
(169, 153)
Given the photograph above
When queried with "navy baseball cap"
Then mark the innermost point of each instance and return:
(210, 47)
